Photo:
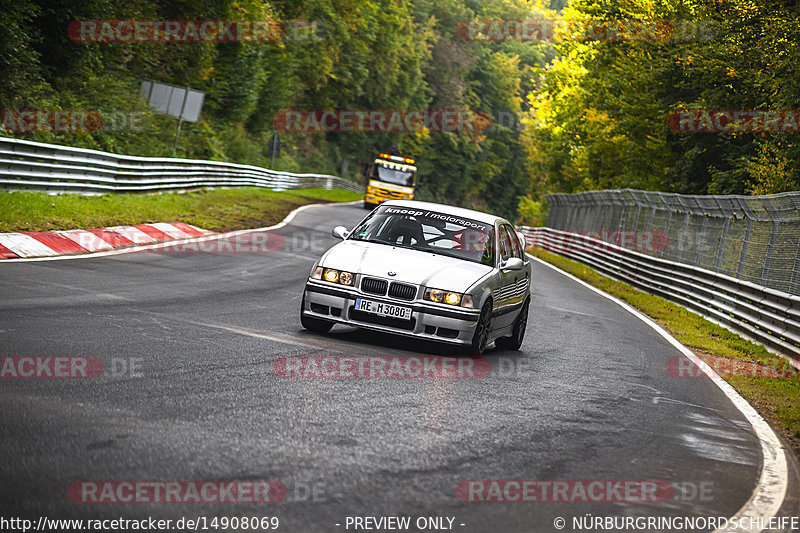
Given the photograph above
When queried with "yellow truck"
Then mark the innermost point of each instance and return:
(391, 177)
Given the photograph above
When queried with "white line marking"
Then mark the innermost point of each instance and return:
(279, 225)
(770, 491)
(240, 331)
(274, 336)
(90, 291)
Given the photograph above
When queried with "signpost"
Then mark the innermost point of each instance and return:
(183, 103)
(274, 147)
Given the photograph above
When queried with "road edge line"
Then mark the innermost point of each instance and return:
(167, 244)
(770, 492)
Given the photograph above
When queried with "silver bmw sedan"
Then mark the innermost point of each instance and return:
(424, 270)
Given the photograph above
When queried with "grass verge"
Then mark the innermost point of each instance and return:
(214, 209)
(741, 363)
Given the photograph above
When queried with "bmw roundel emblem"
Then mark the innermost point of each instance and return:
(392, 273)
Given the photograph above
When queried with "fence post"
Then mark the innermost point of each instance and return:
(793, 282)
(682, 238)
(701, 241)
(638, 212)
(666, 226)
(552, 214)
(571, 213)
(723, 236)
(653, 210)
(773, 238)
(743, 253)
(623, 211)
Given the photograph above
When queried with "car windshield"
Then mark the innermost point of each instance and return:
(396, 176)
(429, 231)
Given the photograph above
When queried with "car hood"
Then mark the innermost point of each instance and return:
(410, 266)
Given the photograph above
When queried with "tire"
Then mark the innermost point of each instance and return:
(316, 325)
(482, 329)
(514, 342)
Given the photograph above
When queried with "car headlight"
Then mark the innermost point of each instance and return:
(444, 297)
(332, 275)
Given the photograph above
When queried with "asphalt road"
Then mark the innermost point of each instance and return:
(588, 397)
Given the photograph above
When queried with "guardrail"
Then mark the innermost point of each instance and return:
(27, 165)
(766, 315)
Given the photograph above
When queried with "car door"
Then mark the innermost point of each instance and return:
(506, 296)
(522, 278)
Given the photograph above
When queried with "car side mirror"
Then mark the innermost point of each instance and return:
(340, 232)
(512, 263)
(521, 238)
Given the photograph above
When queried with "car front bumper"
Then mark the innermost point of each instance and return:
(431, 322)
(377, 199)
(372, 199)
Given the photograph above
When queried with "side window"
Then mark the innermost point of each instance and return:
(518, 251)
(506, 248)
(488, 250)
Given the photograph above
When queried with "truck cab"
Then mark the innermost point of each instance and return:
(391, 177)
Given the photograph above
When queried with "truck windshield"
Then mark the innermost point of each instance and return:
(390, 175)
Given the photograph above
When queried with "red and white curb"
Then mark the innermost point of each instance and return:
(56, 243)
(166, 244)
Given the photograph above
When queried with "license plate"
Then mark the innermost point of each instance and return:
(383, 309)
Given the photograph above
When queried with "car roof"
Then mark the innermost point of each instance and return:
(447, 210)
